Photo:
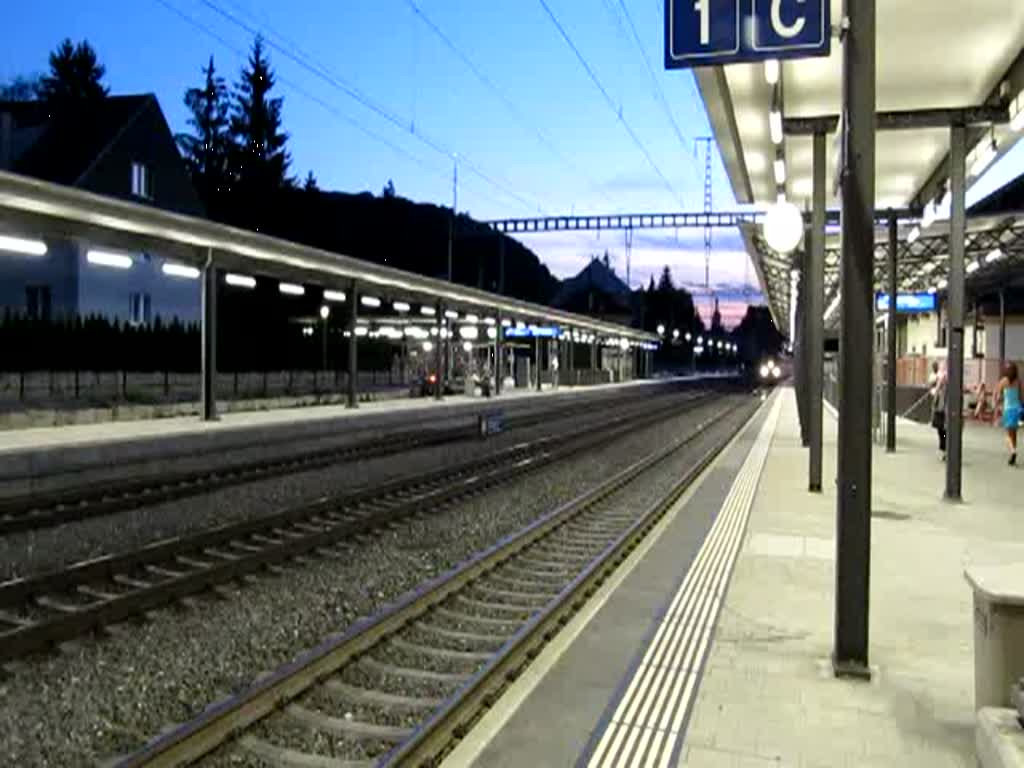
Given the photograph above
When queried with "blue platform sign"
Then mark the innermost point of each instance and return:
(702, 33)
(530, 331)
(907, 302)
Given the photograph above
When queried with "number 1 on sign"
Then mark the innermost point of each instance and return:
(701, 6)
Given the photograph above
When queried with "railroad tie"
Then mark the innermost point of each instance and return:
(275, 755)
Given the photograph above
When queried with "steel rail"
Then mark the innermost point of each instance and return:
(117, 587)
(43, 510)
(231, 717)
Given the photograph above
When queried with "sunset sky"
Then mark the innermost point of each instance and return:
(404, 89)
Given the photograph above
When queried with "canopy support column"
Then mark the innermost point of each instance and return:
(209, 334)
(353, 346)
(955, 314)
(853, 525)
(890, 339)
(815, 316)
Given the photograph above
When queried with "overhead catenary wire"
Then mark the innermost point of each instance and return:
(309, 64)
(659, 91)
(611, 103)
(623, 56)
(489, 84)
(440, 173)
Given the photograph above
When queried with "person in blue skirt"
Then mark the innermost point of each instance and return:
(1008, 402)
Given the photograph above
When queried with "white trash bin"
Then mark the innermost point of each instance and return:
(998, 631)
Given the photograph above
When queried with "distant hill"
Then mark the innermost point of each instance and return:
(597, 291)
(407, 235)
(598, 277)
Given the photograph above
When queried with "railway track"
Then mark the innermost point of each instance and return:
(42, 510)
(39, 611)
(401, 688)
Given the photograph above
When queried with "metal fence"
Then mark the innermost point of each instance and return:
(91, 388)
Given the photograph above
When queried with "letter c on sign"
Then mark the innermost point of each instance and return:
(782, 29)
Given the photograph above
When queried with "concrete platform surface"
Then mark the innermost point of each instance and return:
(767, 695)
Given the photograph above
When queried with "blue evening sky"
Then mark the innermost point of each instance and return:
(382, 96)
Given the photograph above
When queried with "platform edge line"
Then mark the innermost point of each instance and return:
(485, 730)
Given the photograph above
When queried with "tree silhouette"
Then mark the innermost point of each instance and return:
(665, 284)
(389, 189)
(310, 185)
(669, 306)
(716, 320)
(206, 150)
(262, 160)
(21, 88)
(75, 76)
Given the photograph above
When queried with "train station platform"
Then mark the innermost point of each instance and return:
(53, 457)
(711, 645)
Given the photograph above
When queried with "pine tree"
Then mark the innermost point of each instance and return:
(389, 190)
(310, 185)
(716, 319)
(206, 150)
(261, 162)
(21, 88)
(75, 76)
(665, 284)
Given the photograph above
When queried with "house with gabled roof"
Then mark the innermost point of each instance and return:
(122, 147)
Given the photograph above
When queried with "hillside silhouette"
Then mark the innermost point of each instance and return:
(400, 233)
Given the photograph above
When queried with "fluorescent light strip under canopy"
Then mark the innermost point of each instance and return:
(108, 259)
(240, 281)
(180, 270)
(22, 245)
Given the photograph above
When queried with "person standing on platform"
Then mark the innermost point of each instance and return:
(937, 381)
(1008, 401)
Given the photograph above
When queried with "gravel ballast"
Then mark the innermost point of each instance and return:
(32, 552)
(96, 699)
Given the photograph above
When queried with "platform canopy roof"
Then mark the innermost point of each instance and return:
(937, 55)
(993, 253)
(29, 206)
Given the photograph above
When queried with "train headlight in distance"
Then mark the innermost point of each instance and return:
(765, 370)
(776, 372)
